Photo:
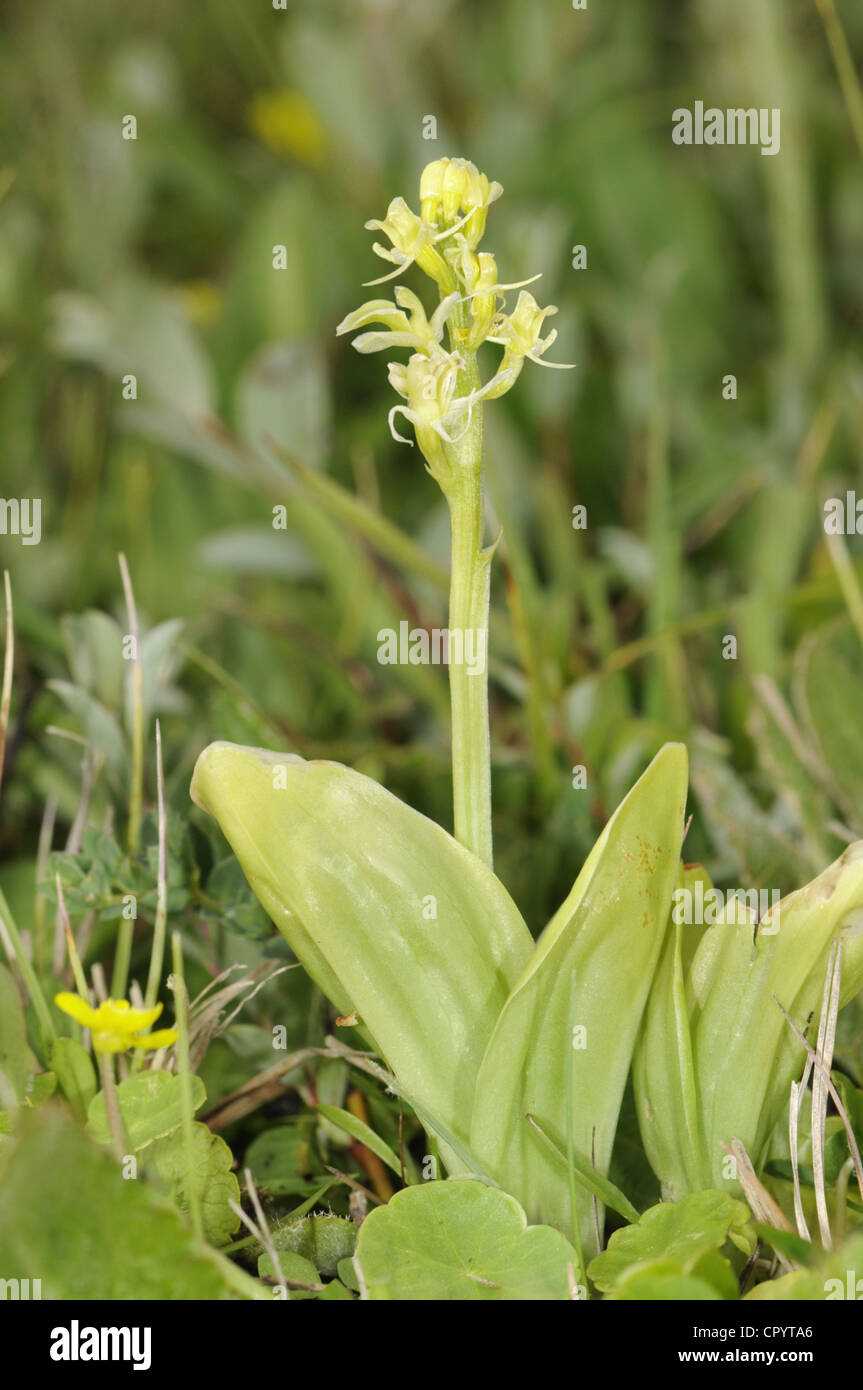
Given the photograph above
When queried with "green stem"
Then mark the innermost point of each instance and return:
(181, 1012)
(468, 620)
(116, 1128)
(34, 989)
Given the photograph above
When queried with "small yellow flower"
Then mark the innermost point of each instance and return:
(202, 301)
(116, 1026)
(518, 334)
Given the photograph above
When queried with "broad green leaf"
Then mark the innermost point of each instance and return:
(786, 1243)
(344, 1120)
(589, 1177)
(663, 1070)
(76, 1075)
(389, 915)
(160, 659)
(151, 1107)
(211, 1178)
(582, 993)
(461, 1240)
(745, 1054)
(682, 1232)
(140, 328)
(69, 1218)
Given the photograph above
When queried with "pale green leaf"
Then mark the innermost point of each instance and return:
(210, 1178)
(390, 916)
(681, 1232)
(461, 1240)
(151, 1107)
(593, 965)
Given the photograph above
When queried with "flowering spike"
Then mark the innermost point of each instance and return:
(441, 388)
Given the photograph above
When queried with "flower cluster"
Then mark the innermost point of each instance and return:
(116, 1026)
(439, 385)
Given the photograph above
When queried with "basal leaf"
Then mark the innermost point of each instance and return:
(745, 1055)
(583, 991)
(389, 915)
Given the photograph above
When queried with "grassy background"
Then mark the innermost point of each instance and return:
(258, 127)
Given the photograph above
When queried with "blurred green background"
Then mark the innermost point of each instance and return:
(153, 257)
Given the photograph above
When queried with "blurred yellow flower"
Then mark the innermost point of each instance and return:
(115, 1026)
(202, 301)
(288, 125)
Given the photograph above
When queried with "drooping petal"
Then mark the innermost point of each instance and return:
(163, 1037)
(77, 1008)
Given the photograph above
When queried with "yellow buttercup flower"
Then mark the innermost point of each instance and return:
(116, 1026)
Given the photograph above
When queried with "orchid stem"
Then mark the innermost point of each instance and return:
(468, 627)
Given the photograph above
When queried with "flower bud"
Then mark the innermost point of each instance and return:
(454, 194)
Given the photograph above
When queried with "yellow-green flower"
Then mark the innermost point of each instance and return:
(428, 384)
(412, 240)
(116, 1026)
(518, 334)
(417, 331)
(440, 389)
(454, 194)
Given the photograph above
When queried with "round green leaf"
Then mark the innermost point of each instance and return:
(681, 1232)
(461, 1240)
(210, 1177)
(151, 1104)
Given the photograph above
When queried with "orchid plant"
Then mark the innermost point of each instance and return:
(515, 1054)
